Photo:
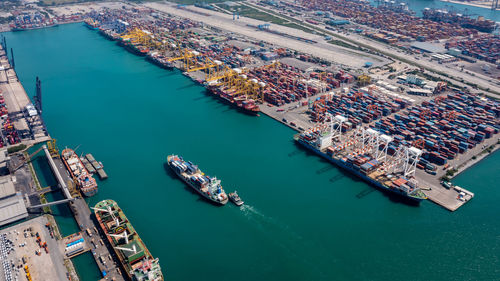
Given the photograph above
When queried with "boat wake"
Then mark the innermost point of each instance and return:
(293, 244)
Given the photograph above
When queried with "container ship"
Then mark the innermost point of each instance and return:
(132, 253)
(365, 167)
(208, 187)
(82, 177)
(91, 23)
(229, 96)
(134, 48)
(159, 60)
(480, 24)
(109, 34)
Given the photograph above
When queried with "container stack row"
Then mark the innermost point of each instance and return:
(285, 83)
(484, 47)
(381, 17)
(32, 20)
(356, 106)
(443, 128)
(9, 133)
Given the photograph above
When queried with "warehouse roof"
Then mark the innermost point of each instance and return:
(12, 208)
(6, 187)
(428, 47)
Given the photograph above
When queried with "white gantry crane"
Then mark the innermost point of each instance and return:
(330, 131)
(405, 160)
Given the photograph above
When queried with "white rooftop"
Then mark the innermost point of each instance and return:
(12, 209)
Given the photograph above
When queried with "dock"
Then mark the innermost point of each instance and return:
(84, 219)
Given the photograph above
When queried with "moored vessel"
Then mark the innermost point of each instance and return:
(365, 167)
(91, 23)
(208, 187)
(159, 60)
(82, 177)
(135, 258)
(240, 102)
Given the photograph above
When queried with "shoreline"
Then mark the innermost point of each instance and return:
(470, 4)
(479, 157)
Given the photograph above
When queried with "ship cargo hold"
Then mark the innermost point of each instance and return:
(135, 258)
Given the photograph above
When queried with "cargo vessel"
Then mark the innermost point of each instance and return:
(134, 256)
(229, 96)
(159, 60)
(109, 34)
(363, 167)
(480, 24)
(81, 176)
(134, 48)
(91, 23)
(208, 187)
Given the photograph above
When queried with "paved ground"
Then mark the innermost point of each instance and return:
(41, 267)
(85, 220)
(321, 49)
(477, 78)
(32, 129)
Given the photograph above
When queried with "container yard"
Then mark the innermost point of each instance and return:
(29, 252)
(408, 26)
(480, 23)
(240, 72)
(31, 21)
(448, 130)
(406, 147)
(249, 74)
(482, 47)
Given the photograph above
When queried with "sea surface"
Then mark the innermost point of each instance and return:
(303, 220)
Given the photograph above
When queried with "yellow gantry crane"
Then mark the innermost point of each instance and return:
(51, 145)
(207, 65)
(142, 37)
(182, 53)
(364, 79)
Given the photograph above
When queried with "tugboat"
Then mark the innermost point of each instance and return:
(235, 198)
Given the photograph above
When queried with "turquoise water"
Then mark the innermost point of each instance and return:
(86, 267)
(303, 219)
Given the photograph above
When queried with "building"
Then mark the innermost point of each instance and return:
(414, 79)
(427, 47)
(419, 92)
(12, 206)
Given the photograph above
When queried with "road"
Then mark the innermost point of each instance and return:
(330, 52)
(478, 78)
